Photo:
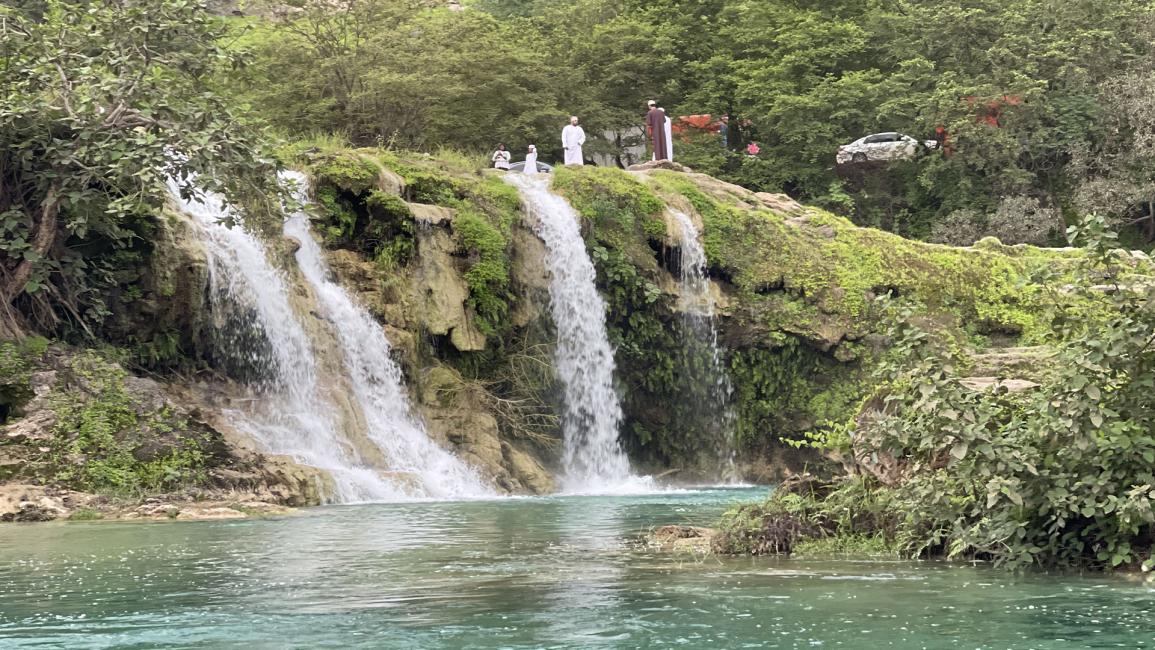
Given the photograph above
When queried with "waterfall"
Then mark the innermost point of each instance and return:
(295, 412)
(709, 378)
(376, 379)
(592, 459)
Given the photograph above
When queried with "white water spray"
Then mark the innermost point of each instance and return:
(259, 330)
(593, 459)
(427, 470)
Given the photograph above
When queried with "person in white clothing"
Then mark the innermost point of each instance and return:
(501, 158)
(531, 160)
(669, 137)
(572, 139)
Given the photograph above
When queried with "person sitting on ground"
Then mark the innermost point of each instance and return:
(501, 158)
(531, 160)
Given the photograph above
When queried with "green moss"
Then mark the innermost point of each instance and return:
(849, 546)
(488, 270)
(346, 171)
(784, 391)
(100, 428)
(831, 269)
(608, 196)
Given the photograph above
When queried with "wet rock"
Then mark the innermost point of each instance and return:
(456, 412)
(529, 277)
(24, 502)
(527, 470)
(29, 512)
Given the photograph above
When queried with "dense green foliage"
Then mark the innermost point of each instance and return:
(1059, 475)
(361, 216)
(101, 102)
(1044, 102)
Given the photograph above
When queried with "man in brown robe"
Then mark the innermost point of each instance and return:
(656, 125)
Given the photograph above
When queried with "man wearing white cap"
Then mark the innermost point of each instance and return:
(572, 139)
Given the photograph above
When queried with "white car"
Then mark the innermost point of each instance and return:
(882, 147)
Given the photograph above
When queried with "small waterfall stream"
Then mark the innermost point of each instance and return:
(298, 410)
(697, 307)
(593, 459)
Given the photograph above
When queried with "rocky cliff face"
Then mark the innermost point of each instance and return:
(441, 254)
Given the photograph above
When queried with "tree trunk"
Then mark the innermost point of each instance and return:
(42, 243)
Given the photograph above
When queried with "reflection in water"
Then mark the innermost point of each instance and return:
(559, 572)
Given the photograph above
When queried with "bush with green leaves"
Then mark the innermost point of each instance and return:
(1057, 476)
(101, 102)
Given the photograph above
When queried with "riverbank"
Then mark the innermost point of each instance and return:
(36, 503)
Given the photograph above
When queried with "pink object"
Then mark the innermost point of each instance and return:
(753, 149)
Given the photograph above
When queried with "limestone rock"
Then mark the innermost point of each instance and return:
(35, 427)
(390, 182)
(1021, 362)
(442, 292)
(527, 470)
(659, 164)
(457, 413)
(779, 202)
(23, 502)
(431, 215)
(529, 277)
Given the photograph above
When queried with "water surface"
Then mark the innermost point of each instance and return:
(557, 572)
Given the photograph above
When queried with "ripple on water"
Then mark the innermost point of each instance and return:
(556, 572)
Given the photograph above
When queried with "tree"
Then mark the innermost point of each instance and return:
(101, 102)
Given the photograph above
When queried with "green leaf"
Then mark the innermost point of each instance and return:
(959, 450)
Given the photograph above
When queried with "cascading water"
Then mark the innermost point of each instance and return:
(427, 469)
(258, 330)
(706, 372)
(593, 459)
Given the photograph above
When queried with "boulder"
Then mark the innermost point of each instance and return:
(527, 470)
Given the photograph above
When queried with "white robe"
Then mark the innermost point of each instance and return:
(530, 163)
(572, 139)
(501, 159)
(669, 139)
